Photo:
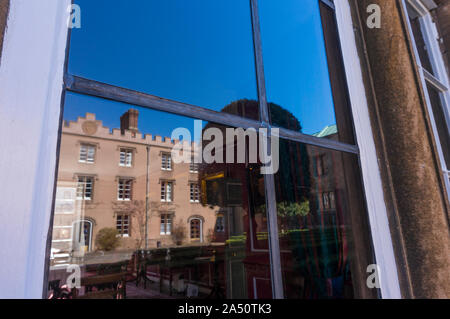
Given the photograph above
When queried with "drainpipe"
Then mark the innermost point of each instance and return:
(146, 198)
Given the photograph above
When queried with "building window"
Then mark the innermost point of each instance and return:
(193, 167)
(239, 190)
(166, 162)
(194, 193)
(87, 153)
(84, 187)
(123, 225)
(126, 157)
(166, 191)
(220, 224)
(320, 165)
(328, 200)
(195, 229)
(166, 224)
(435, 79)
(124, 191)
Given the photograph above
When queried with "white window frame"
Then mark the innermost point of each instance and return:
(201, 228)
(82, 181)
(122, 224)
(378, 217)
(166, 162)
(125, 157)
(167, 191)
(34, 58)
(165, 220)
(122, 184)
(31, 82)
(194, 192)
(88, 151)
(193, 167)
(439, 79)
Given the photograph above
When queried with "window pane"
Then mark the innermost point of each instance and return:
(323, 227)
(441, 124)
(419, 39)
(295, 64)
(230, 260)
(198, 52)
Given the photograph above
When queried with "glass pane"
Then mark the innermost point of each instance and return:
(440, 121)
(324, 233)
(199, 52)
(295, 65)
(414, 19)
(176, 258)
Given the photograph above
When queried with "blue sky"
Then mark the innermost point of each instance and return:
(200, 52)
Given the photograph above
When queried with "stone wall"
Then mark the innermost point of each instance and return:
(414, 188)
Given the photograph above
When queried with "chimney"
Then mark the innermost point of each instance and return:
(129, 121)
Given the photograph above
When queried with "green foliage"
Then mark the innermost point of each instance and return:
(107, 239)
(293, 209)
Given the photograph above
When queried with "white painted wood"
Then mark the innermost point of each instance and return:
(31, 81)
(379, 223)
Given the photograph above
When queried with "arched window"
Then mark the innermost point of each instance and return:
(196, 229)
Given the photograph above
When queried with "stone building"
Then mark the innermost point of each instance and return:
(104, 176)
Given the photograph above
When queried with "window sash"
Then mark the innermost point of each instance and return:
(126, 158)
(87, 154)
(166, 162)
(124, 189)
(88, 87)
(84, 187)
(194, 193)
(166, 191)
(123, 225)
(166, 224)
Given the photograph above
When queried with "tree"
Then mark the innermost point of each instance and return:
(178, 232)
(107, 239)
(137, 212)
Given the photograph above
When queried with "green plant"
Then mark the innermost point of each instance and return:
(107, 239)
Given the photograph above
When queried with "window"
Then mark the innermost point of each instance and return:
(123, 225)
(87, 153)
(166, 224)
(202, 66)
(124, 191)
(320, 164)
(328, 201)
(193, 167)
(194, 193)
(196, 229)
(166, 162)
(126, 157)
(220, 224)
(434, 76)
(84, 187)
(166, 191)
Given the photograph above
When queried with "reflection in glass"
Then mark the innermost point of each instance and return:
(198, 52)
(295, 65)
(143, 230)
(322, 225)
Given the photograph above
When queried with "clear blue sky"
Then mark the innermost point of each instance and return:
(200, 52)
